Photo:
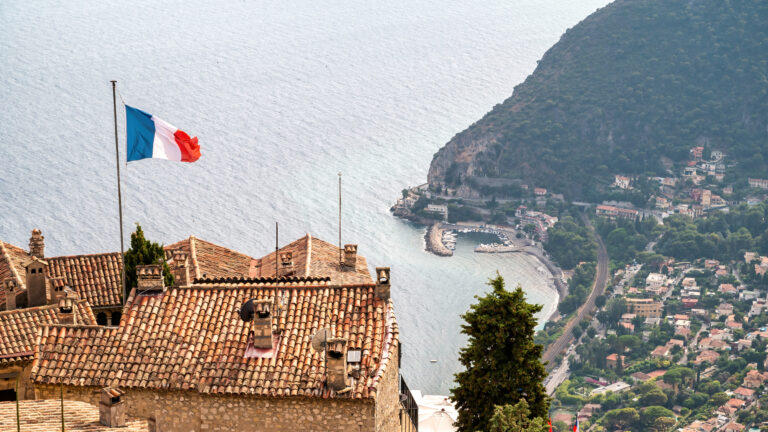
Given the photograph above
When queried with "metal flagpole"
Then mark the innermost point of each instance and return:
(119, 198)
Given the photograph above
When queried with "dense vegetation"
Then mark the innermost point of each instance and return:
(636, 81)
(570, 243)
(723, 236)
(579, 288)
(625, 239)
(502, 363)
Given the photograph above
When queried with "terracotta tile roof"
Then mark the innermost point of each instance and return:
(18, 329)
(192, 338)
(95, 278)
(213, 261)
(45, 416)
(13, 259)
(315, 257)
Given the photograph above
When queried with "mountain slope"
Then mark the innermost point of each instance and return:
(634, 82)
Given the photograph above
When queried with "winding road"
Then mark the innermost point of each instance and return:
(588, 308)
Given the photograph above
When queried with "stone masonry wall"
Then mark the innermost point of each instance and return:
(388, 397)
(191, 411)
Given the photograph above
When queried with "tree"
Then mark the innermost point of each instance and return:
(502, 362)
(621, 418)
(663, 424)
(143, 252)
(654, 397)
(650, 415)
(515, 418)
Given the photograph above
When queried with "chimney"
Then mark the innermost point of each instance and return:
(11, 289)
(286, 264)
(180, 267)
(37, 244)
(112, 407)
(67, 305)
(336, 364)
(262, 324)
(382, 283)
(350, 256)
(150, 279)
(38, 290)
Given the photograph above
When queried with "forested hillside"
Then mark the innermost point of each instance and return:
(636, 82)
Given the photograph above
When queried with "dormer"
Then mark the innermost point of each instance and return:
(150, 280)
(38, 291)
(286, 264)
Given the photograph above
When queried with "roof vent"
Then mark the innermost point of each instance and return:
(258, 312)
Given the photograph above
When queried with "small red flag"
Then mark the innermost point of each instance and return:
(550, 425)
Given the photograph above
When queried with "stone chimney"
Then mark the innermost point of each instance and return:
(350, 256)
(262, 324)
(180, 267)
(382, 283)
(150, 279)
(38, 288)
(11, 289)
(37, 244)
(286, 264)
(336, 363)
(112, 407)
(67, 306)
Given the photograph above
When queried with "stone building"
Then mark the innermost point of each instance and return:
(45, 416)
(30, 279)
(298, 352)
(18, 335)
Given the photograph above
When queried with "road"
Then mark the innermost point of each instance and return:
(588, 308)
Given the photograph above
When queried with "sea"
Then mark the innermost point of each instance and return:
(284, 96)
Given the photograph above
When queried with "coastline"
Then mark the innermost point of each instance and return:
(433, 243)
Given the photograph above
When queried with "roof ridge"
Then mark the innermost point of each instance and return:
(193, 255)
(7, 257)
(81, 255)
(308, 265)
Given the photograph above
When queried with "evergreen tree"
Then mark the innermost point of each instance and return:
(516, 418)
(502, 362)
(143, 252)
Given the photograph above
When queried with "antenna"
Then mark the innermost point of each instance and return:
(341, 260)
(277, 231)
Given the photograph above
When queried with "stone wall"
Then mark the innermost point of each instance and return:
(388, 396)
(192, 411)
(26, 391)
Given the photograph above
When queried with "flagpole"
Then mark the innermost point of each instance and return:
(119, 199)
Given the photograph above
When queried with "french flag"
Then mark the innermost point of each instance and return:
(151, 137)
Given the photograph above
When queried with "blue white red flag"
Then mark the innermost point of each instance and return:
(151, 137)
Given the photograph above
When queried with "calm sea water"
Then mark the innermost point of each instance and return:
(283, 95)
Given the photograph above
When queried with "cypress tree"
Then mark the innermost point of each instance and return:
(502, 363)
(143, 252)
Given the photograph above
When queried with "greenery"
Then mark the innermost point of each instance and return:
(515, 418)
(723, 236)
(634, 82)
(570, 243)
(501, 361)
(624, 239)
(579, 288)
(143, 252)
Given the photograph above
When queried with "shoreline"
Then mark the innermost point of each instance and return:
(434, 244)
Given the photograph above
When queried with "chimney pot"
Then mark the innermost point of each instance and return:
(336, 363)
(350, 256)
(150, 279)
(286, 264)
(112, 407)
(67, 307)
(11, 289)
(38, 286)
(37, 244)
(382, 283)
(180, 267)
(262, 324)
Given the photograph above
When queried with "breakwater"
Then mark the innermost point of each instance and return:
(434, 241)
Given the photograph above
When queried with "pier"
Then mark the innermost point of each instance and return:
(434, 240)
